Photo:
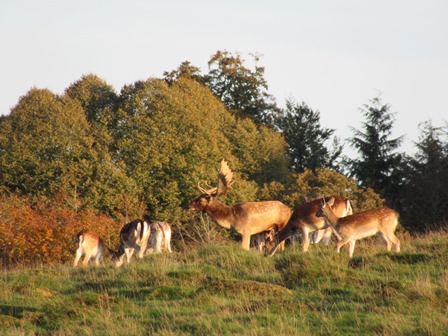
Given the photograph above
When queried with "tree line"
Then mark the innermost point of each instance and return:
(141, 152)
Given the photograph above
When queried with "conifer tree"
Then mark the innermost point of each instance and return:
(378, 162)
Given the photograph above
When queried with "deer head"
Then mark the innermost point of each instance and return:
(225, 180)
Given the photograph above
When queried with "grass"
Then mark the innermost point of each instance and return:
(223, 290)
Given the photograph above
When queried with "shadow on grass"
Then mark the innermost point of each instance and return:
(410, 258)
(15, 311)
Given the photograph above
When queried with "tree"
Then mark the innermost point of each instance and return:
(98, 100)
(377, 166)
(49, 152)
(424, 205)
(240, 88)
(300, 126)
(328, 182)
(185, 70)
(172, 136)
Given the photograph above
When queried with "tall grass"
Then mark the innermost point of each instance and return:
(219, 289)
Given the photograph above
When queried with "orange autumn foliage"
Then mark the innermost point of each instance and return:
(46, 233)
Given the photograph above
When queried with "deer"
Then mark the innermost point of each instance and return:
(133, 237)
(246, 218)
(160, 238)
(382, 221)
(305, 221)
(323, 235)
(258, 241)
(90, 245)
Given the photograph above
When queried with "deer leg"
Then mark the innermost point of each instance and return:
(168, 241)
(98, 259)
(129, 252)
(394, 240)
(246, 241)
(327, 236)
(315, 236)
(341, 243)
(386, 240)
(351, 248)
(120, 261)
(305, 239)
(77, 257)
(86, 259)
(141, 253)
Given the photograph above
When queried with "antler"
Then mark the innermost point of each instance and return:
(208, 192)
(225, 179)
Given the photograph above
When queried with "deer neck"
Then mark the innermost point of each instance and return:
(221, 213)
(332, 220)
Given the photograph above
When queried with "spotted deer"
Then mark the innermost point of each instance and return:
(133, 237)
(323, 235)
(160, 238)
(382, 221)
(91, 246)
(247, 218)
(305, 221)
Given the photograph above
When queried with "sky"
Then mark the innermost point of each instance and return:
(334, 55)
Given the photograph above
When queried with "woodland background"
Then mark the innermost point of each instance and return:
(94, 158)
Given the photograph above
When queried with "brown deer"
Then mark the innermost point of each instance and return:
(247, 218)
(160, 238)
(323, 235)
(382, 221)
(90, 245)
(304, 220)
(133, 237)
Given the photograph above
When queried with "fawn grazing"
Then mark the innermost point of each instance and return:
(133, 237)
(382, 221)
(90, 245)
(160, 238)
(247, 218)
(304, 220)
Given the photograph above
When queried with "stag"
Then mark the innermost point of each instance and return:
(247, 218)
(382, 221)
(304, 220)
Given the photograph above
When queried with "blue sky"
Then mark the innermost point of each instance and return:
(333, 55)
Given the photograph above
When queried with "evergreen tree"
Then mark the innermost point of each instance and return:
(378, 163)
(300, 126)
(426, 190)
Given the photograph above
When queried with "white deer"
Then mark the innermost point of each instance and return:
(160, 238)
(382, 221)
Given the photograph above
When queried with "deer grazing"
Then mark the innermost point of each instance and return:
(382, 221)
(90, 245)
(304, 220)
(133, 237)
(247, 218)
(160, 238)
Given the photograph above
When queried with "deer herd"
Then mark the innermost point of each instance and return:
(263, 225)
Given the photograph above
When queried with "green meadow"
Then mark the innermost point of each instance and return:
(220, 289)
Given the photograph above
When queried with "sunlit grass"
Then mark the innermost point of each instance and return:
(220, 289)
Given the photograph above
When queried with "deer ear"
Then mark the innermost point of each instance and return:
(331, 201)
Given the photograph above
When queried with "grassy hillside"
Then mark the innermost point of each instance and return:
(223, 290)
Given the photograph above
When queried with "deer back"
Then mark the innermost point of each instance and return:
(378, 218)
